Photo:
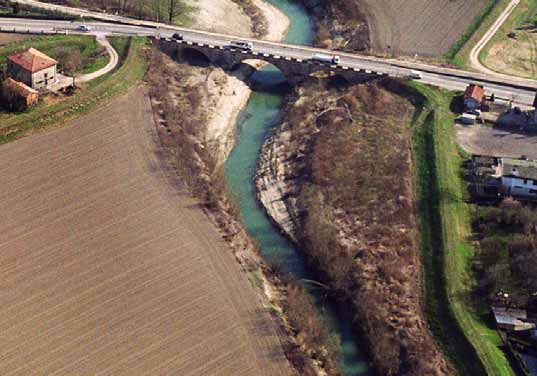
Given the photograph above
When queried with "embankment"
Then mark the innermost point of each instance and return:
(338, 176)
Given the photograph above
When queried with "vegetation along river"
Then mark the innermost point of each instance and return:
(257, 119)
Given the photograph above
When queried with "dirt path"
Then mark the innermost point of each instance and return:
(474, 54)
(114, 60)
(65, 81)
(108, 269)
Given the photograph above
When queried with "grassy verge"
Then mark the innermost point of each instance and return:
(460, 325)
(459, 53)
(87, 99)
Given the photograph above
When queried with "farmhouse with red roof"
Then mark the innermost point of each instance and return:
(33, 68)
(473, 97)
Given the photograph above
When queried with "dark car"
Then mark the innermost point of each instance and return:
(177, 36)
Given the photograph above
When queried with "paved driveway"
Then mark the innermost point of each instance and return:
(484, 139)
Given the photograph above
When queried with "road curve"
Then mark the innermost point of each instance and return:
(474, 54)
(114, 60)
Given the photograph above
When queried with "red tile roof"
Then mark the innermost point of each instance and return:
(476, 92)
(19, 88)
(32, 60)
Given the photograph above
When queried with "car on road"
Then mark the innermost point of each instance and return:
(177, 36)
(415, 75)
(83, 28)
(241, 45)
(324, 58)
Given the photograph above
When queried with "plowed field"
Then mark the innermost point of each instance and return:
(106, 269)
(426, 27)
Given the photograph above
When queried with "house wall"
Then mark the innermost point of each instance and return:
(18, 74)
(16, 101)
(44, 78)
(520, 187)
(38, 80)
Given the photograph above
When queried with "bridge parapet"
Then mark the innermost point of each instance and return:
(294, 69)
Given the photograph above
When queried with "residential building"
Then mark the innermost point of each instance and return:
(511, 319)
(518, 177)
(33, 68)
(18, 95)
(497, 177)
(473, 97)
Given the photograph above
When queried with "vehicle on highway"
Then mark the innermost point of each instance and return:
(324, 58)
(415, 75)
(241, 45)
(177, 36)
(83, 28)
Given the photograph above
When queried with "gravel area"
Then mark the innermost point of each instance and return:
(488, 140)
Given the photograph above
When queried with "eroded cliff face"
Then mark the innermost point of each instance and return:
(338, 175)
(277, 180)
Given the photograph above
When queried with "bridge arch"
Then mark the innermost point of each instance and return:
(294, 70)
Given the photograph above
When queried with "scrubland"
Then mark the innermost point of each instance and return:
(348, 150)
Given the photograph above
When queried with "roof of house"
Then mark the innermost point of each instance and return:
(476, 92)
(32, 60)
(19, 87)
(519, 168)
(507, 320)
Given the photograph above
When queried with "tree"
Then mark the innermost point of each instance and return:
(175, 8)
(70, 60)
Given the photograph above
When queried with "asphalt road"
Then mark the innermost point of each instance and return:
(520, 91)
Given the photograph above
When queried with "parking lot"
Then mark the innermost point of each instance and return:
(496, 141)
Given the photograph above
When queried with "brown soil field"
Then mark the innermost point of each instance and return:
(394, 23)
(107, 268)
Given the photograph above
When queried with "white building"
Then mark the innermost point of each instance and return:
(518, 177)
(33, 68)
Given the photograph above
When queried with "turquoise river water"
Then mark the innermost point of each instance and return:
(258, 118)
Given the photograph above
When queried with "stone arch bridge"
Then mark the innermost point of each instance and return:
(294, 70)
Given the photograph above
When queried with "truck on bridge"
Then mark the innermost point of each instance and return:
(325, 58)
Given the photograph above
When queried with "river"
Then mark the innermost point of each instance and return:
(258, 118)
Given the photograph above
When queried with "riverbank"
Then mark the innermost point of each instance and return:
(199, 145)
(230, 92)
(312, 179)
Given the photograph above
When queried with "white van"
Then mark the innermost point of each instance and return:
(83, 28)
(241, 45)
(415, 75)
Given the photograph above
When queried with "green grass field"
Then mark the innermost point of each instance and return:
(462, 327)
(98, 91)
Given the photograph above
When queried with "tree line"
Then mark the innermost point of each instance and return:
(155, 10)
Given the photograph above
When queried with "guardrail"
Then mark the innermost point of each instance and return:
(19, 30)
